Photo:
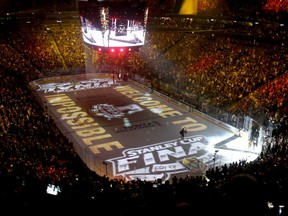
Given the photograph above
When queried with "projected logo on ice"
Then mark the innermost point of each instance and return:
(70, 86)
(110, 111)
(161, 160)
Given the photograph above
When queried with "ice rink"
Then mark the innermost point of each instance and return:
(124, 130)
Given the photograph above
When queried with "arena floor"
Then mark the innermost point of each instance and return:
(124, 130)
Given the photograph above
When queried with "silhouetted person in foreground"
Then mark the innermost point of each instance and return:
(243, 195)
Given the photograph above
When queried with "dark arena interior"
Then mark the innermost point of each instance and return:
(144, 107)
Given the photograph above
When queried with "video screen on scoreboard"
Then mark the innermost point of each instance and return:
(113, 24)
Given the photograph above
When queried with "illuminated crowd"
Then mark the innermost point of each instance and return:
(239, 74)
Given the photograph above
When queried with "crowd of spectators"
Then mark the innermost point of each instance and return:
(237, 74)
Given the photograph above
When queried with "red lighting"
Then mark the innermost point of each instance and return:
(118, 50)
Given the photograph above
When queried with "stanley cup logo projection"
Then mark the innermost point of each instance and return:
(128, 166)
